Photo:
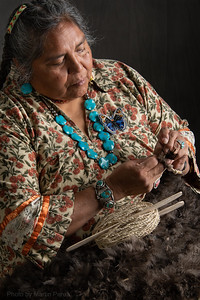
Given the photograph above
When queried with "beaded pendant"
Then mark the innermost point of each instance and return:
(104, 136)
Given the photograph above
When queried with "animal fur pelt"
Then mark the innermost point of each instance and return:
(164, 265)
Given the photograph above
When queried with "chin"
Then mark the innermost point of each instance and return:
(79, 94)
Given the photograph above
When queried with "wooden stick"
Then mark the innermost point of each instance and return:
(159, 204)
(171, 208)
(88, 239)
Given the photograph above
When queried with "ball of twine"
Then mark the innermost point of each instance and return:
(126, 224)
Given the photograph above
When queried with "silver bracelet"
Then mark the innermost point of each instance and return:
(104, 194)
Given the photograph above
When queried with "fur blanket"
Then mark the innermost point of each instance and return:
(164, 265)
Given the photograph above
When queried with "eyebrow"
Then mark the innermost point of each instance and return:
(61, 55)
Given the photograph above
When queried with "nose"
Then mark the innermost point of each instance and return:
(74, 64)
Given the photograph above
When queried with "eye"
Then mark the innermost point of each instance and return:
(59, 63)
(81, 49)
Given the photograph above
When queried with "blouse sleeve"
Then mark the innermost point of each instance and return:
(32, 224)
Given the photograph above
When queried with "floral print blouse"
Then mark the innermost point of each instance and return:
(42, 168)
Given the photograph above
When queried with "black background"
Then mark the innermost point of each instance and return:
(158, 38)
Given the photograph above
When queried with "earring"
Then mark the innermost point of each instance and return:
(26, 88)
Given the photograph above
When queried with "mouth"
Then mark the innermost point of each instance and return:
(79, 82)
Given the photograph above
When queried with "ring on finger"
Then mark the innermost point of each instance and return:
(181, 143)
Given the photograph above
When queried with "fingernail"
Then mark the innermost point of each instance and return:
(165, 140)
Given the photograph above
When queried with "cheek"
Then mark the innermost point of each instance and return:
(89, 64)
(58, 77)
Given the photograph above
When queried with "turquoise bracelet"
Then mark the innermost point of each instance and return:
(104, 195)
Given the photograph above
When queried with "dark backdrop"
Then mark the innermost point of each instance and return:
(160, 39)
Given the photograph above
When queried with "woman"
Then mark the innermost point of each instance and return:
(79, 137)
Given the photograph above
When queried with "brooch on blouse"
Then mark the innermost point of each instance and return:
(116, 122)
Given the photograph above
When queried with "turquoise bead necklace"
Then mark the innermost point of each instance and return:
(104, 136)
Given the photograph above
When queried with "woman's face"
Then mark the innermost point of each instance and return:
(64, 69)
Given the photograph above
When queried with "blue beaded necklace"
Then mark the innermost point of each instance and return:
(103, 125)
(108, 145)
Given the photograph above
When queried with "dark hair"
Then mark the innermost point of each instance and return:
(25, 43)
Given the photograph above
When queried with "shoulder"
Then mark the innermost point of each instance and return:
(11, 117)
(109, 70)
(110, 64)
(7, 104)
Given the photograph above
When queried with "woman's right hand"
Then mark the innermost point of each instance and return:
(134, 177)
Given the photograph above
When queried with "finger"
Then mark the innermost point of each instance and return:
(181, 147)
(158, 149)
(163, 136)
(167, 138)
(157, 171)
(154, 176)
(148, 163)
(175, 145)
(181, 163)
(172, 140)
(181, 143)
(154, 167)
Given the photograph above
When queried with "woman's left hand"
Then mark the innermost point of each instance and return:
(171, 141)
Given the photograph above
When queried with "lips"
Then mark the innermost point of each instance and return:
(81, 82)
(78, 82)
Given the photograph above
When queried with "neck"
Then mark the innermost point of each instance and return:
(76, 112)
(73, 107)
